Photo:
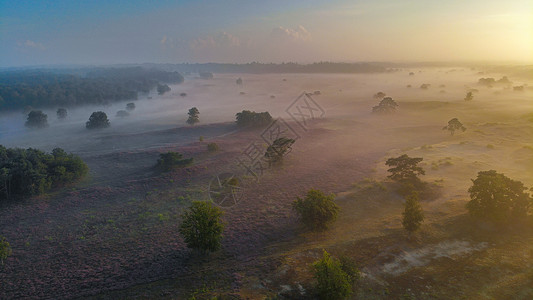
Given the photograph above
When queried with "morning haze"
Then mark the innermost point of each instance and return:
(266, 150)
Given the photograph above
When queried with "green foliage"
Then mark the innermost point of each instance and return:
(5, 249)
(212, 147)
(162, 88)
(333, 282)
(202, 227)
(36, 119)
(498, 198)
(316, 210)
(405, 169)
(33, 172)
(280, 147)
(61, 113)
(169, 160)
(248, 118)
(453, 125)
(385, 106)
(412, 214)
(98, 119)
(193, 116)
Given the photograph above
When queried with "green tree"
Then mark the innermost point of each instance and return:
(316, 210)
(162, 88)
(332, 281)
(98, 119)
(453, 125)
(167, 161)
(193, 116)
(212, 147)
(61, 113)
(469, 96)
(405, 169)
(202, 227)
(413, 216)
(37, 119)
(239, 81)
(279, 148)
(385, 106)
(248, 118)
(498, 198)
(5, 249)
(130, 106)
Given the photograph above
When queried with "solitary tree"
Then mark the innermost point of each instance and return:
(193, 116)
(412, 214)
(498, 198)
(405, 169)
(316, 210)
(279, 148)
(37, 119)
(386, 105)
(61, 113)
(167, 161)
(454, 125)
(130, 106)
(162, 88)
(201, 226)
(239, 81)
(5, 249)
(333, 282)
(98, 119)
(469, 96)
(122, 113)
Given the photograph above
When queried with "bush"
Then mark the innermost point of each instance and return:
(212, 147)
(98, 119)
(412, 214)
(385, 106)
(498, 198)
(130, 106)
(33, 172)
(201, 226)
(167, 161)
(332, 281)
(36, 119)
(5, 249)
(61, 113)
(248, 118)
(279, 148)
(316, 210)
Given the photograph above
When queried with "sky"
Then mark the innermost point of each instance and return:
(100, 32)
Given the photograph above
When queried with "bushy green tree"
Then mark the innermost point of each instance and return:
(61, 113)
(316, 210)
(405, 169)
(248, 118)
(279, 148)
(413, 216)
(5, 249)
(162, 88)
(454, 125)
(98, 119)
(385, 106)
(202, 226)
(498, 198)
(169, 160)
(193, 116)
(37, 119)
(333, 282)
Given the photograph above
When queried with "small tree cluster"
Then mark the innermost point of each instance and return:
(98, 119)
(385, 106)
(193, 116)
(454, 125)
(212, 147)
(61, 113)
(335, 277)
(167, 161)
(413, 216)
(36, 119)
(202, 227)
(162, 88)
(317, 210)
(5, 249)
(279, 148)
(248, 118)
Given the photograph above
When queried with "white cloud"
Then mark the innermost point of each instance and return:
(31, 44)
(299, 34)
(220, 40)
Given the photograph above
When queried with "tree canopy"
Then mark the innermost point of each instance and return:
(334, 277)
(279, 148)
(98, 119)
(167, 161)
(412, 214)
(36, 119)
(162, 88)
(193, 116)
(316, 210)
(405, 168)
(202, 227)
(248, 118)
(454, 125)
(5, 249)
(61, 113)
(386, 105)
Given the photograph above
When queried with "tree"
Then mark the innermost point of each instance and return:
(405, 169)
(122, 113)
(279, 148)
(498, 198)
(206, 75)
(469, 96)
(412, 214)
(61, 113)
(316, 210)
(98, 119)
(248, 118)
(212, 147)
(453, 125)
(385, 106)
(425, 86)
(162, 88)
(332, 281)
(167, 161)
(379, 95)
(201, 226)
(239, 81)
(130, 106)
(193, 116)
(5, 249)
(37, 119)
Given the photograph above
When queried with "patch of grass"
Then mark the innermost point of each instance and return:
(490, 146)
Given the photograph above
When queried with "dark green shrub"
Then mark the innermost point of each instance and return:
(98, 119)
(248, 118)
(169, 160)
(412, 214)
(316, 210)
(202, 227)
(36, 119)
(5, 249)
(212, 147)
(333, 282)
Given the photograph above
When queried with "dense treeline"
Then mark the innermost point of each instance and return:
(29, 172)
(19, 89)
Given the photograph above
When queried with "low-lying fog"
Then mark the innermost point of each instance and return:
(220, 98)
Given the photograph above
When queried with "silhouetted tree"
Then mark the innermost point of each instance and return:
(316, 210)
(202, 226)
(333, 282)
(405, 169)
(61, 113)
(239, 81)
(248, 118)
(37, 119)
(386, 105)
(469, 96)
(498, 198)
(279, 148)
(453, 125)
(130, 106)
(98, 119)
(122, 113)
(193, 116)
(162, 88)
(412, 214)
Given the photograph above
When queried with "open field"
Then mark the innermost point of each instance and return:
(115, 233)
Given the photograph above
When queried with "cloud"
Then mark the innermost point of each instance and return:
(31, 44)
(298, 34)
(221, 40)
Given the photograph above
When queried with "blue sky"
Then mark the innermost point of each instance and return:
(103, 32)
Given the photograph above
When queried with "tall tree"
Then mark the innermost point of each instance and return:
(412, 214)
(193, 116)
(405, 169)
(202, 227)
(37, 119)
(454, 125)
